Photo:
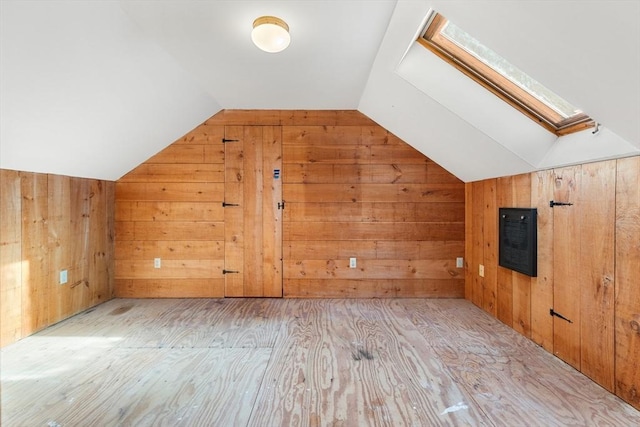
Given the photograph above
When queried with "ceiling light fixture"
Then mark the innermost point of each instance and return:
(270, 34)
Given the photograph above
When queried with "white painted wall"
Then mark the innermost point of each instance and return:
(474, 104)
(85, 93)
(94, 88)
(418, 118)
(586, 51)
(333, 45)
(585, 147)
(474, 134)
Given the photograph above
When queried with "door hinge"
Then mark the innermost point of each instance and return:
(224, 204)
(225, 140)
(552, 204)
(555, 313)
(281, 205)
(229, 271)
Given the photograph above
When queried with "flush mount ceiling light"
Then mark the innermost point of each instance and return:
(270, 34)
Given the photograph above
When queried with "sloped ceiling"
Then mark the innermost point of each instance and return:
(93, 89)
(85, 93)
(588, 52)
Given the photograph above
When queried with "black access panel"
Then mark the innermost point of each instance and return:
(518, 240)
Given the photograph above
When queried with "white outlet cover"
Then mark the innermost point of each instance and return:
(352, 263)
(157, 263)
(63, 277)
(459, 262)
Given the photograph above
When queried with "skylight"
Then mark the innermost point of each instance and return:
(498, 75)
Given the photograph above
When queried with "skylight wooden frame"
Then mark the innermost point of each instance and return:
(497, 84)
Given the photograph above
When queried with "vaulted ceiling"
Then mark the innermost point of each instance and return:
(94, 88)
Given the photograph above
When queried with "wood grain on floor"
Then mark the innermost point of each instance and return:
(274, 362)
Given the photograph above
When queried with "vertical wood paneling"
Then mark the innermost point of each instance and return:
(490, 226)
(521, 191)
(39, 240)
(468, 241)
(252, 209)
(627, 295)
(272, 216)
(81, 232)
(35, 253)
(578, 247)
(522, 303)
(597, 219)
(504, 309)
(566, 265)
(514, 289)
(110, 232)
(477, 252)
(542, 191)
(234, 217)
(262, 224)
(60, 256)
(10, 257)
(98, 256)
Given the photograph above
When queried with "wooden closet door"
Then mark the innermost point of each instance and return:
(566, 266)
(583, 246)
(253, 211)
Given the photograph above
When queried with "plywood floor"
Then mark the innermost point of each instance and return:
(270, 362)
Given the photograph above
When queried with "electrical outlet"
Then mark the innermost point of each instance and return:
(459, 262)
(481, 270)
(352, 263)
(63, 277)
(157, 263)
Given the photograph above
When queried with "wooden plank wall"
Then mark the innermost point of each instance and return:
(51, 223)
(356, 190)
(351, 189)
(588, 266)
(541, 299)
(627, 290)
(170, 207)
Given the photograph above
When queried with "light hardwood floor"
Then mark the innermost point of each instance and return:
(275, 362)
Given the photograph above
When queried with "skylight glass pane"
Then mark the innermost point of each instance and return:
(506, 69)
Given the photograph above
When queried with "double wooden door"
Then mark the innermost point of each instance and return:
(253, 211)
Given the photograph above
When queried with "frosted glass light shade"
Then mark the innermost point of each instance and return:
(270, 34)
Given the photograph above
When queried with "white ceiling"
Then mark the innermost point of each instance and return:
(94, 88)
